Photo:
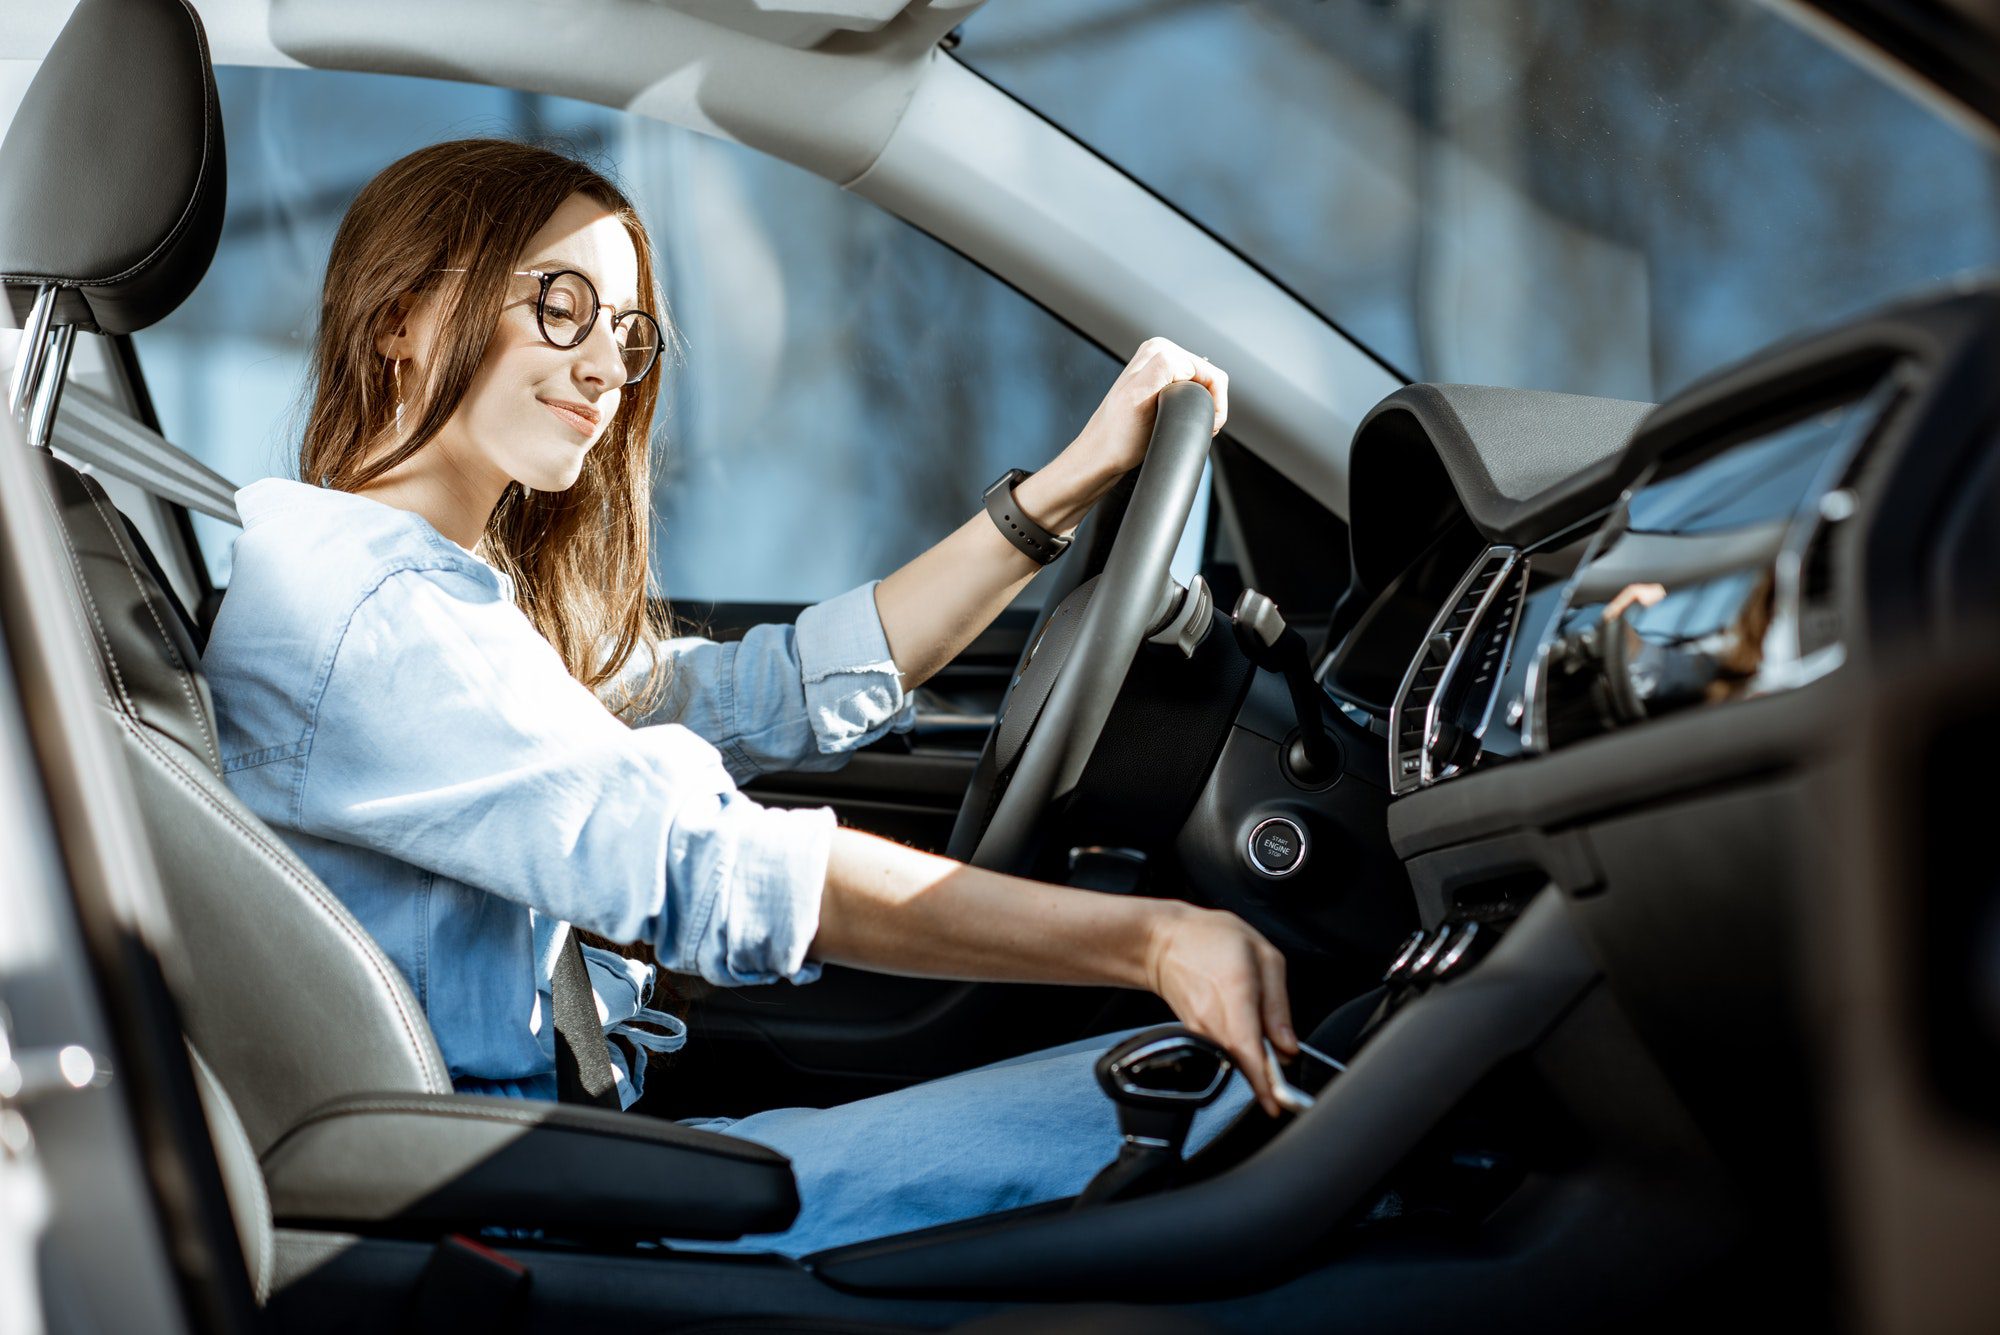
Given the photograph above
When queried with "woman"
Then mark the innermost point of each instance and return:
(436, 674)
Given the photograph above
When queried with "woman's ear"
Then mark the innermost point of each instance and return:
(392, 336)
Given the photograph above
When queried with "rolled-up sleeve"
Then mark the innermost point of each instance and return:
(853, 690)
(797, 697)
(766, 867)
(449, 735)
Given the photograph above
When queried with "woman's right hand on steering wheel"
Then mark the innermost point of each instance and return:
(1225, 982)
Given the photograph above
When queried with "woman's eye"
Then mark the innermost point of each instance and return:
(558, 313)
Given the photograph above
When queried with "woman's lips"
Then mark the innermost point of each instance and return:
(579, 418)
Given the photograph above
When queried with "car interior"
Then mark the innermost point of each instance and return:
(1594, 762)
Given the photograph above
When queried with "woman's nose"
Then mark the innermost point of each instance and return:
(599, 358)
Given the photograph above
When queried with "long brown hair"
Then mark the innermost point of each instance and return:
(578, 557)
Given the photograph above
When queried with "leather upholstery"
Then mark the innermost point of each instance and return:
(111, 185)
(294, 1005)
(142, 646)
(460, 1161)
(242, 1177)
(112, 174)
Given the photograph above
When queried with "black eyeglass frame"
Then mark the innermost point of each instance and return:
(548, 277)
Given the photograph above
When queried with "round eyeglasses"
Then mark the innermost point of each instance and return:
(566, 310)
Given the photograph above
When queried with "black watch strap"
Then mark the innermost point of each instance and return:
(1041, 545)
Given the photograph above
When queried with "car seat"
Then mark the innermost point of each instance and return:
(327, 1098)
(311, 1044)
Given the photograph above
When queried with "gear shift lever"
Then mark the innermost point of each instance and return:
(1159, 1079)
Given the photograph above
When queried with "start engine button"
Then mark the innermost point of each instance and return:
(1277, 846)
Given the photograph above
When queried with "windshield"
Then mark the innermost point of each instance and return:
(1601, 196)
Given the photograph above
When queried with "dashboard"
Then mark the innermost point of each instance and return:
(1677, 559)
(1707, 581)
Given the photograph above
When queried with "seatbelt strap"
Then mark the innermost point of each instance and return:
(584, 1072)
(93, 429)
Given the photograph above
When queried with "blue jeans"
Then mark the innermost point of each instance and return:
(1029, 1129)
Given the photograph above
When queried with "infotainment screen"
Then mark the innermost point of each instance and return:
(1699, 589)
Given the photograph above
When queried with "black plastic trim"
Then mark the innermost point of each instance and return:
(1266, 1217)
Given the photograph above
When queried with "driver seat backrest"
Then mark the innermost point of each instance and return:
(111, 202)
(292, 1002)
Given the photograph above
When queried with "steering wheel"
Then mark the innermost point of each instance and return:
(1115, 610)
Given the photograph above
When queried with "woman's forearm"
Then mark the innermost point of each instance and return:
(933, 607)
(897, 910)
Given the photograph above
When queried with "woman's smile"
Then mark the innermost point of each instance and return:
(579, 417)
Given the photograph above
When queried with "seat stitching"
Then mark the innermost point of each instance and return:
(137, 730)
(97, 500)
(363, 947)
(83, 632)
(101, 648)
(640, 1131)
(185, 679)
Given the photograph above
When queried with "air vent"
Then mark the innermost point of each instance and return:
(1805, 641)
(1447, 693)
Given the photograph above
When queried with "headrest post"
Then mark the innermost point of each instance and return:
(34, 341)
(49, 394)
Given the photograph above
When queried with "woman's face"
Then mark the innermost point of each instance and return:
(533, 410)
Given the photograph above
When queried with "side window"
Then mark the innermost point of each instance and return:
(849, 384)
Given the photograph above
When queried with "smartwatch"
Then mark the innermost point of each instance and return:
(1041, 545)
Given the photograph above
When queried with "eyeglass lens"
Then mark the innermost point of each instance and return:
(568, 310)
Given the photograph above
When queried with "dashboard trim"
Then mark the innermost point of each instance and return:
(1399, 784)
(1510, 558)
(1690, 753)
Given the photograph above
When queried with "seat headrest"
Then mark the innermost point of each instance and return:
(111, 175)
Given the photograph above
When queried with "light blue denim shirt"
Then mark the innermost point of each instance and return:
(387, 708)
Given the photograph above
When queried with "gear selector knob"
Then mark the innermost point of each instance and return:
(1169, 1067)
(1159, 1079)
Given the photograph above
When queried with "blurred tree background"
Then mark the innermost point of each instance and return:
(1601, 196)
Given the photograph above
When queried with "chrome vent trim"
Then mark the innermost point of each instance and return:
(1498, 615)
(1413, 719)
(1806, 640)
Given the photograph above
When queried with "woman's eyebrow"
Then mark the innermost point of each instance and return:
(555, 262)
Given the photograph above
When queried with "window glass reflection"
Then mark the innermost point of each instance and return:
(1601, 196)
